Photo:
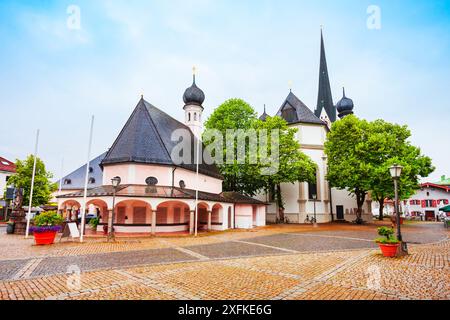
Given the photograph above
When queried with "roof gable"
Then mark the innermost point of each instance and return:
(7, 166)
(302, 113)
(147, 138)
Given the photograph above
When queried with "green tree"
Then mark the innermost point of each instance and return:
(349, 158)
(293, 165)
(360, 154)
(290, 166)
(392, 147)
(235, 114)
(43, 187)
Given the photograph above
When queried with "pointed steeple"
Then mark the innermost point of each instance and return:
(264, 115)
(325, 98)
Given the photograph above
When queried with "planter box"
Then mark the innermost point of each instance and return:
(45, 238)
(389, 250)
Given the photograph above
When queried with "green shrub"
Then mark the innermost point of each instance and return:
(94, 223)
(388, 234)
(50, 218)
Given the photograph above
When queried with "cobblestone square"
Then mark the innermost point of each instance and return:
(291, 262)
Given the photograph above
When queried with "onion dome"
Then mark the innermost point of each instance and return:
(345, 106)
(194, 95)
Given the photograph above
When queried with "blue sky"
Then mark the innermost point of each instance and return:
(54, 78)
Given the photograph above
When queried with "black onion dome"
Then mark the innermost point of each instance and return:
(194, 95)
(345, 106)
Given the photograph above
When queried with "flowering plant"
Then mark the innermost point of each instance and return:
(47, 222)
(45, 229)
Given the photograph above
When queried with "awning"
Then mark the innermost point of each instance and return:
(445, 209)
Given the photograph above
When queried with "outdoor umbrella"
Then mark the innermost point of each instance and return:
(445, 209)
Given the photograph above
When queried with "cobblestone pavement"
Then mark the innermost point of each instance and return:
(335, 262)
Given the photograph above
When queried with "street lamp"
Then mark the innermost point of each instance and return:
(396, 172)
(315, 211)
(115, 183)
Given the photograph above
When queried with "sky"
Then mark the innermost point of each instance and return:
(63, 61)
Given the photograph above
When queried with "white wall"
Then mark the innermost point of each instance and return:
(3, 176)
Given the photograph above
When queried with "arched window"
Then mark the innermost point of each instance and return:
(312, 189)
(195, 116)
(67, 181)
(189, 116)
(91, 169)
(91, 180)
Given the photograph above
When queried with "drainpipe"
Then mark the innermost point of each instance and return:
(331, 205)
(173, 179)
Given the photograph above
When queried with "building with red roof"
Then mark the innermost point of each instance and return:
(7, 168)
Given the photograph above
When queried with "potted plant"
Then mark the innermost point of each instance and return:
(10, 227)
(46, 226)
(94, 223)
(389, 243)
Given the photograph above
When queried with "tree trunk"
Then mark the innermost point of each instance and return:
(360, 199)
(279, 201)
(381, 209)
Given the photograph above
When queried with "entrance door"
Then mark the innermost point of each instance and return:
(430, 216)
(340, 212)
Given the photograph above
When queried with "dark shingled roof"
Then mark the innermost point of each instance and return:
(293, 110)
(77, 178)
(325, 98)
(140, 191)
(146, 138)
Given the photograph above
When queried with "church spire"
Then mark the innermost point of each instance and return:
(325, 98)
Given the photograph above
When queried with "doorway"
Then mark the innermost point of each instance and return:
(340, 212)
(430, 216)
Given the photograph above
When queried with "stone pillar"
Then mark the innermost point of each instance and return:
(209, 220)
(192, 222)
(153, 222)
(110, 220)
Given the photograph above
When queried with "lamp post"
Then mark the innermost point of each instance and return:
(315, 211)
(115, 183)
(396, 172)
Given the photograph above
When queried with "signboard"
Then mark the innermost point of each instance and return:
(71, 230)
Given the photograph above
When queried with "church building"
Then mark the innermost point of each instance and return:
(303, 201)
(157, 195)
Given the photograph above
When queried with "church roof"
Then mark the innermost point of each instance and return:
(147, 138)
(76, 179)
(164, 192)
(293, 110)
(325, 98)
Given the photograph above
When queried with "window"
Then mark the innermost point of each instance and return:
(67, 181)
(312, 189)
(91, 180)
(7, 178)
(91, 169)
(189, 116)
(195, 116)
(182, 184)
(289, 114)
(151, 181)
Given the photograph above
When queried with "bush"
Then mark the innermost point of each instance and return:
(48, 219)
(388, 234)
(94, 223)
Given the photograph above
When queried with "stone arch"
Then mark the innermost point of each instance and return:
(217, 215)
(173, 213)
(69, 209)
(101, 209)
(133, 212)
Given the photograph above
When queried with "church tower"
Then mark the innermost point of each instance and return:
(325, 107)
(193, 107)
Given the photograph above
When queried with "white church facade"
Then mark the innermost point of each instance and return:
(303, 201)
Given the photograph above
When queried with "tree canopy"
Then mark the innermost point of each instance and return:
(289, 164)
(361, 152)
(43, 187)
